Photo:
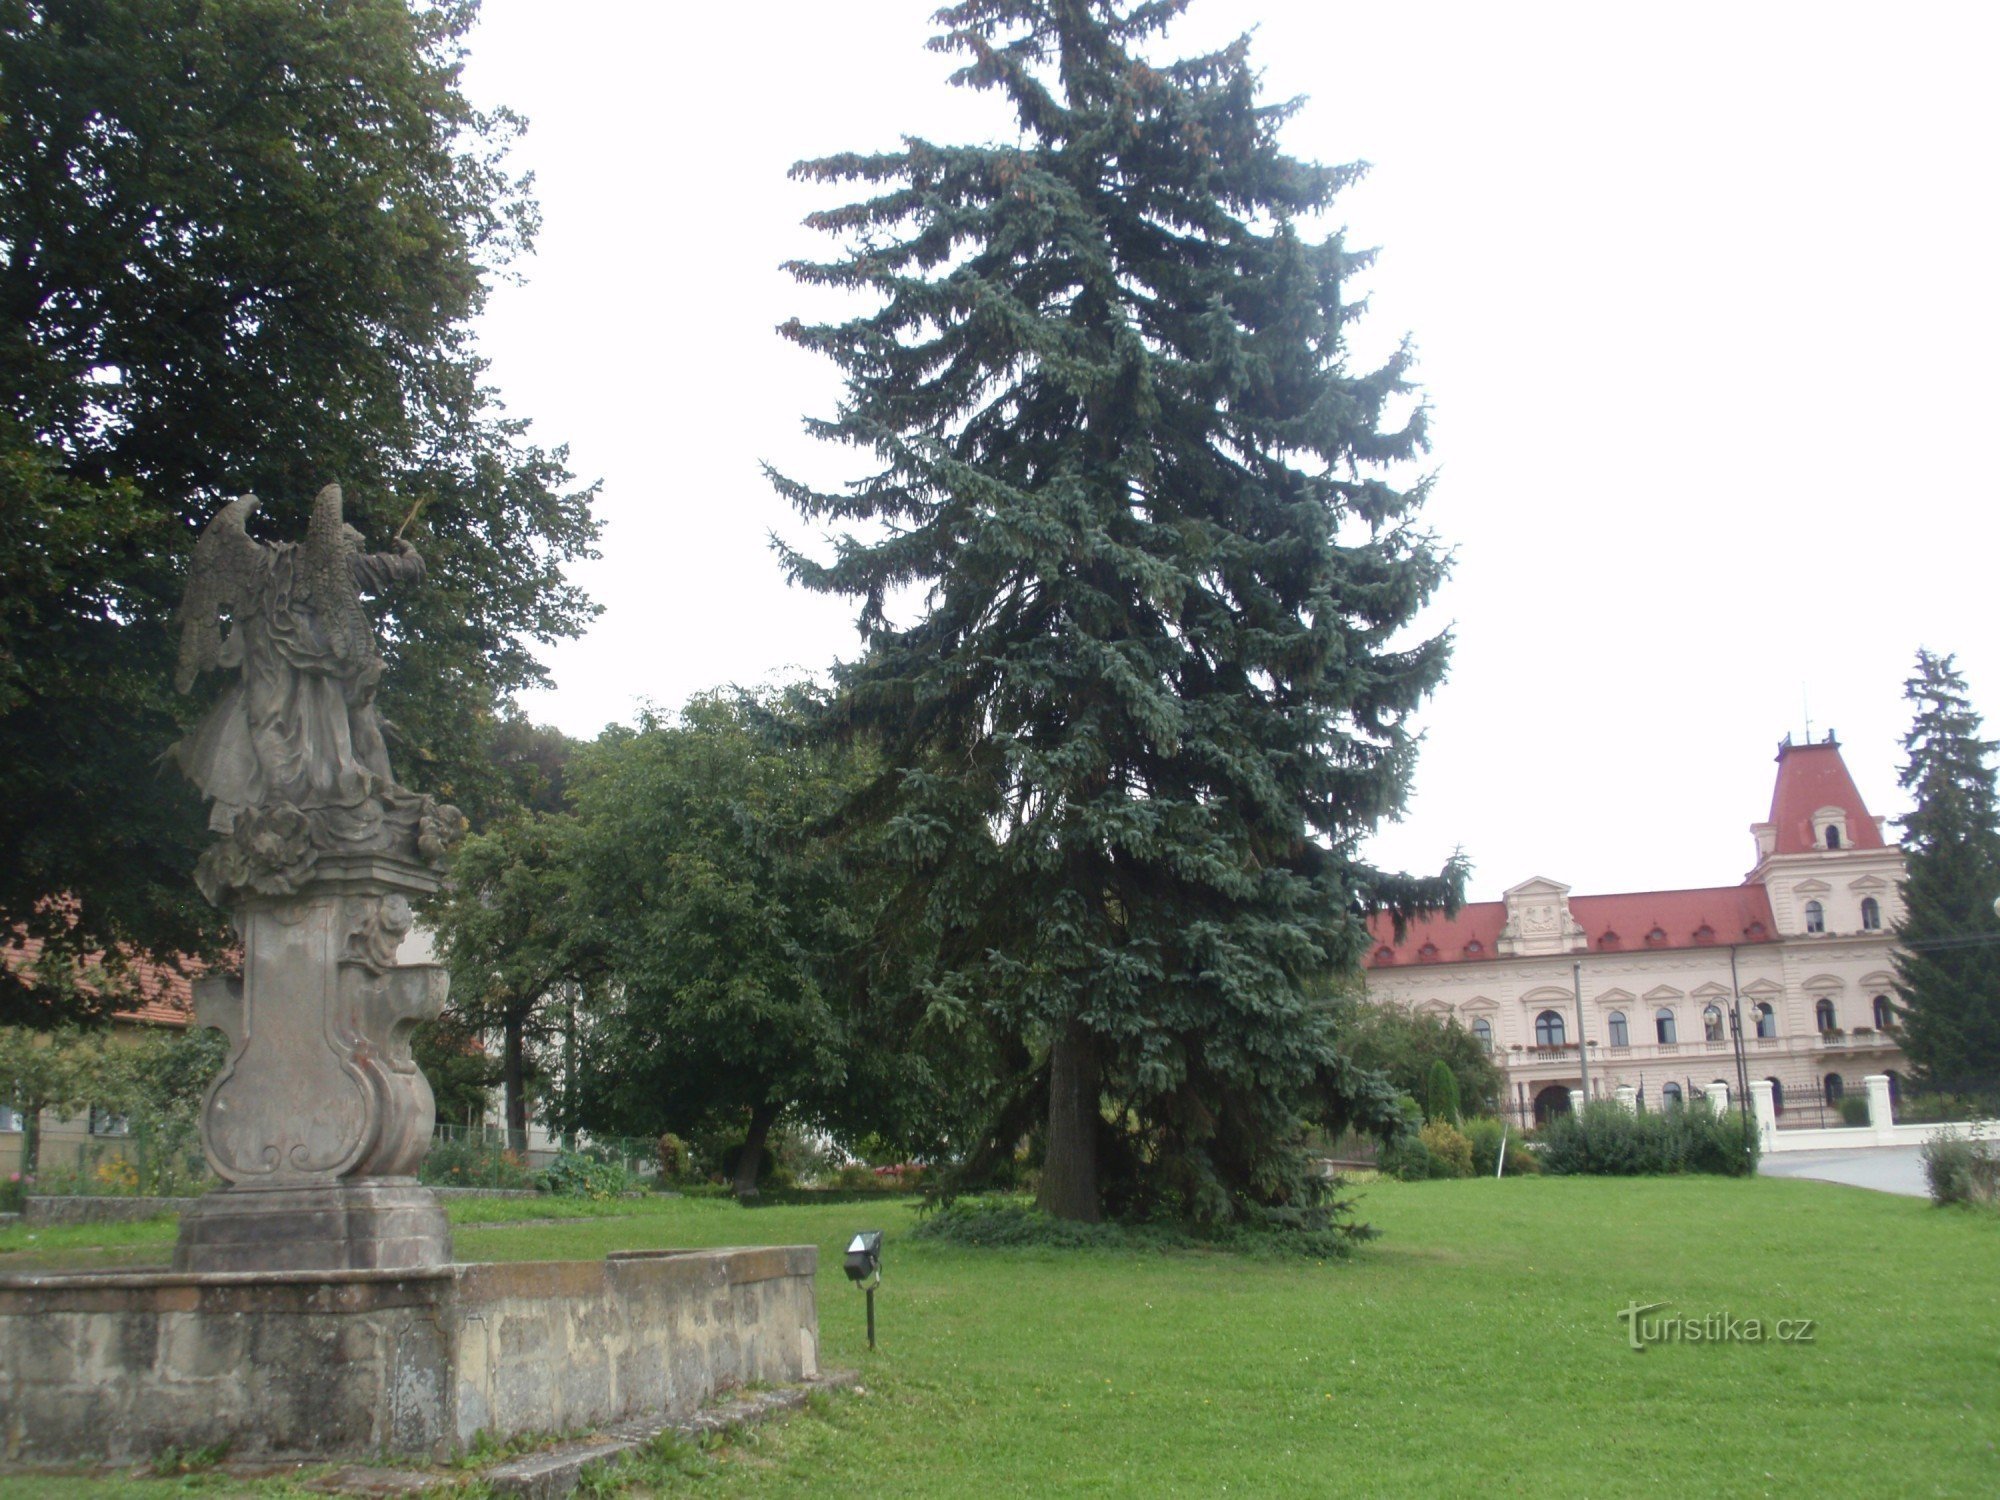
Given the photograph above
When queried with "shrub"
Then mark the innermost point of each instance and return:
(1451, 1152)
(1485, 1136)
(1404, 1155)
(1605, 1139)
(14, 1189)
(1853, 1111)
(575, 1174)
(1443, 1093)
(675, 1161)
(1945, 1109)
(1963, 1169)
(474, 1163)
(1312, 1232)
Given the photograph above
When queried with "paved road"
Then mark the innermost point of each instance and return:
(1887, 1169)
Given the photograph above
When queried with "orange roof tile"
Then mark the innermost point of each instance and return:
(1811, 777)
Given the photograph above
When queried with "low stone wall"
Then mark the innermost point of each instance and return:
(52, 1212)
(115, 1366)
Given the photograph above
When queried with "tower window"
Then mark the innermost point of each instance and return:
(1832, 837)
(1884, 1016)
(1815, 917)
(1871, 914)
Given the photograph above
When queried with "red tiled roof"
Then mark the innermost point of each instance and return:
(1811, 777)
(165, 996)
(1714, 916)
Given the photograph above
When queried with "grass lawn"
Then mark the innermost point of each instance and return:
(1473, 1350)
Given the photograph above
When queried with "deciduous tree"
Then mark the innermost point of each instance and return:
(241, 248)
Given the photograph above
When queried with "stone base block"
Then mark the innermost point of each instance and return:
(362, 1224)
(113, 1367)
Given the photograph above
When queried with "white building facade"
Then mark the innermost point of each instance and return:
(1799, 951)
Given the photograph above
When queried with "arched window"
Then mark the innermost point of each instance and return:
(1670, 1095)
(1777, 1096)
(1483, 1029)
(1711, 1023)
(1895, 1085)
(1815, 917)
(1663, 1025)
(1549, 1029)
(1832, 837)
(1884, 1016)
(1871, 914)
(1767, 1020)
(1551, 1101)
(1620, 1036)
(1823, 1014)
(1834, 1088)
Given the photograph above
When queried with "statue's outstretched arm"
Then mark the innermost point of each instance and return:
(379, 571)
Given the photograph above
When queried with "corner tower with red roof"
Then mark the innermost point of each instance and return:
(1798, 954)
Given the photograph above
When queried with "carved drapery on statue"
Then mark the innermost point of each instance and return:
(320, 1117)
(291, 755)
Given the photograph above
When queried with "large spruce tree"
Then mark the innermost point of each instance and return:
(1157, 678)
(1948, 943)
(241, 248)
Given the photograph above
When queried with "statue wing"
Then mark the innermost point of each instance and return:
(228, 563)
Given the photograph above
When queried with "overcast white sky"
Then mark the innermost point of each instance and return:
(1707, 309)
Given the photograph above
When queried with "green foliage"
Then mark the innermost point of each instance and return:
(242, 247)
(474, 1163)
(1450, 1151)
(1853, 1110)
(1408, 1046)
(728, 931)
(1947, 952)
(675, 1162)
(1485, 1135)
(1963, 1169)
(1160, 676)
(14, 1189)
(1441, 1096)
(578, 1174)
(1323, 1232)
(1607, 1140)
(1925, 1107)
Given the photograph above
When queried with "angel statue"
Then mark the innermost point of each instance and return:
(291, 756)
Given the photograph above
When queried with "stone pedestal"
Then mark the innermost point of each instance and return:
(320, 1117)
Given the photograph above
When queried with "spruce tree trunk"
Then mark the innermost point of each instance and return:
(1069, 1165)
(762, 1117)
(513, 1083)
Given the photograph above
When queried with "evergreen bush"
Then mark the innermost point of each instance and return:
(1607, 1140)
(1443, 1093)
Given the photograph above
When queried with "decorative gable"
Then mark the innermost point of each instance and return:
(1539, 921)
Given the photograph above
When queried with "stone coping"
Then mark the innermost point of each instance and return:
(743, 1264)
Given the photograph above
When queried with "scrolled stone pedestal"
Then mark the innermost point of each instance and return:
(319, 1119)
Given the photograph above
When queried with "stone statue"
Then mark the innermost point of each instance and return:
(291, 756)
(320, 1117)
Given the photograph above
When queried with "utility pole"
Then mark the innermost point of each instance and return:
(1582, 1043)
(1736, 1036)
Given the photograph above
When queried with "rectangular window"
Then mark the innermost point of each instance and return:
(103, 1122)
(10, 1120)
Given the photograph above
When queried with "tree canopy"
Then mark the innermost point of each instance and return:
(1156, 542)
(1948, 942)
(241, 248)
